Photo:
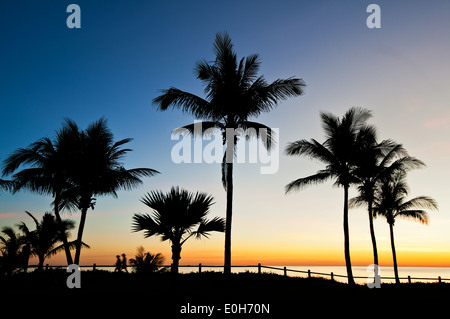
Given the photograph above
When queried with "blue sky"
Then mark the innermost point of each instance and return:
(124, 53)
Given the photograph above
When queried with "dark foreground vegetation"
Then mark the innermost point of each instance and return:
(170, 293)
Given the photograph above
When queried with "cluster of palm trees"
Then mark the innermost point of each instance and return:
(42, 242)
(79, 165)
(74, 168)
(353, 157)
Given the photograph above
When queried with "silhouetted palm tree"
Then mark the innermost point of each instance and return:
(44, 238)
(390, 202)
(177, 216)
(46, 173)
(375, 161)
(145, 262)
(234, 95)
(99, 171)
(14, 252)
(343, 140)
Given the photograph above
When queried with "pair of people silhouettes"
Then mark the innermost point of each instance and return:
(121, 264)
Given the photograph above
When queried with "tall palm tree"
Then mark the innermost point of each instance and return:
(46, 174)
(177, 216)
(234, 94)
(98, 171)
(375, 161)
(343, 139)
(44, 238)
(391, 203)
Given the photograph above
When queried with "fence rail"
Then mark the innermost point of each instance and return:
(260, 267)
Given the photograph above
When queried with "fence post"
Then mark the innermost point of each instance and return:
(95, 266)
(285, 272)
(439, 278)
(409, 279)
(259, 268)
(200, 268)
(332, 276)
(46, 267)
(309, 273)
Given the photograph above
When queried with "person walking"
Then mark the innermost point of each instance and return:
(118, 264)
(124, 262)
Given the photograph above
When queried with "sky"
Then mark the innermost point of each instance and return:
(125, 53)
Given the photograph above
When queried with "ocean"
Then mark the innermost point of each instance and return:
(361, 273)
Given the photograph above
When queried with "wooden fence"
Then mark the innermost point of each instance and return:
(285, 271)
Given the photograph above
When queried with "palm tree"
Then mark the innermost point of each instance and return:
(234, 94)
(46, 174)
(145, 262)
(177, 216)
(343, 140)
(376, 160)
(44, 239)
(98, 171)
(390, 202)
(14, 252)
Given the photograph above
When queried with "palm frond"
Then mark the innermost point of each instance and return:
(207, 226)
(320, 177)
(424, 202)
(260, 131)
(185, 101)
(417, 215)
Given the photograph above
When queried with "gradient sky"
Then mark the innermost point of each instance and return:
(125, 52)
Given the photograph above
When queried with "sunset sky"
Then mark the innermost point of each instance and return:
(125, 52)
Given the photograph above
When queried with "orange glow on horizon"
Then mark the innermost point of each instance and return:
(281, 258)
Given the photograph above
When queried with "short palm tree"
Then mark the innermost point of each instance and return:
(390, 202)
(343, 139)
(145, 262)
(177, 216)
(14, 251)
(44, 239)
(98, 171)
(234, 95)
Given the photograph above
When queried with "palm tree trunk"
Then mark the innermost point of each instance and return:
(176, 256)
(394, 255)
(40, 263)
(372, 234)
(229, 213)
(62, 231)
(80, 234)
(348, 263)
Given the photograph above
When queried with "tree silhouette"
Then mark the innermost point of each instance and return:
(46, 163)
(145, 262)
(98, 171)
(234, 94)
(375, 161)
(14, 251)
(44, 238)
(74, 168)
(390, 202)
(177, 216)
(343, 139)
